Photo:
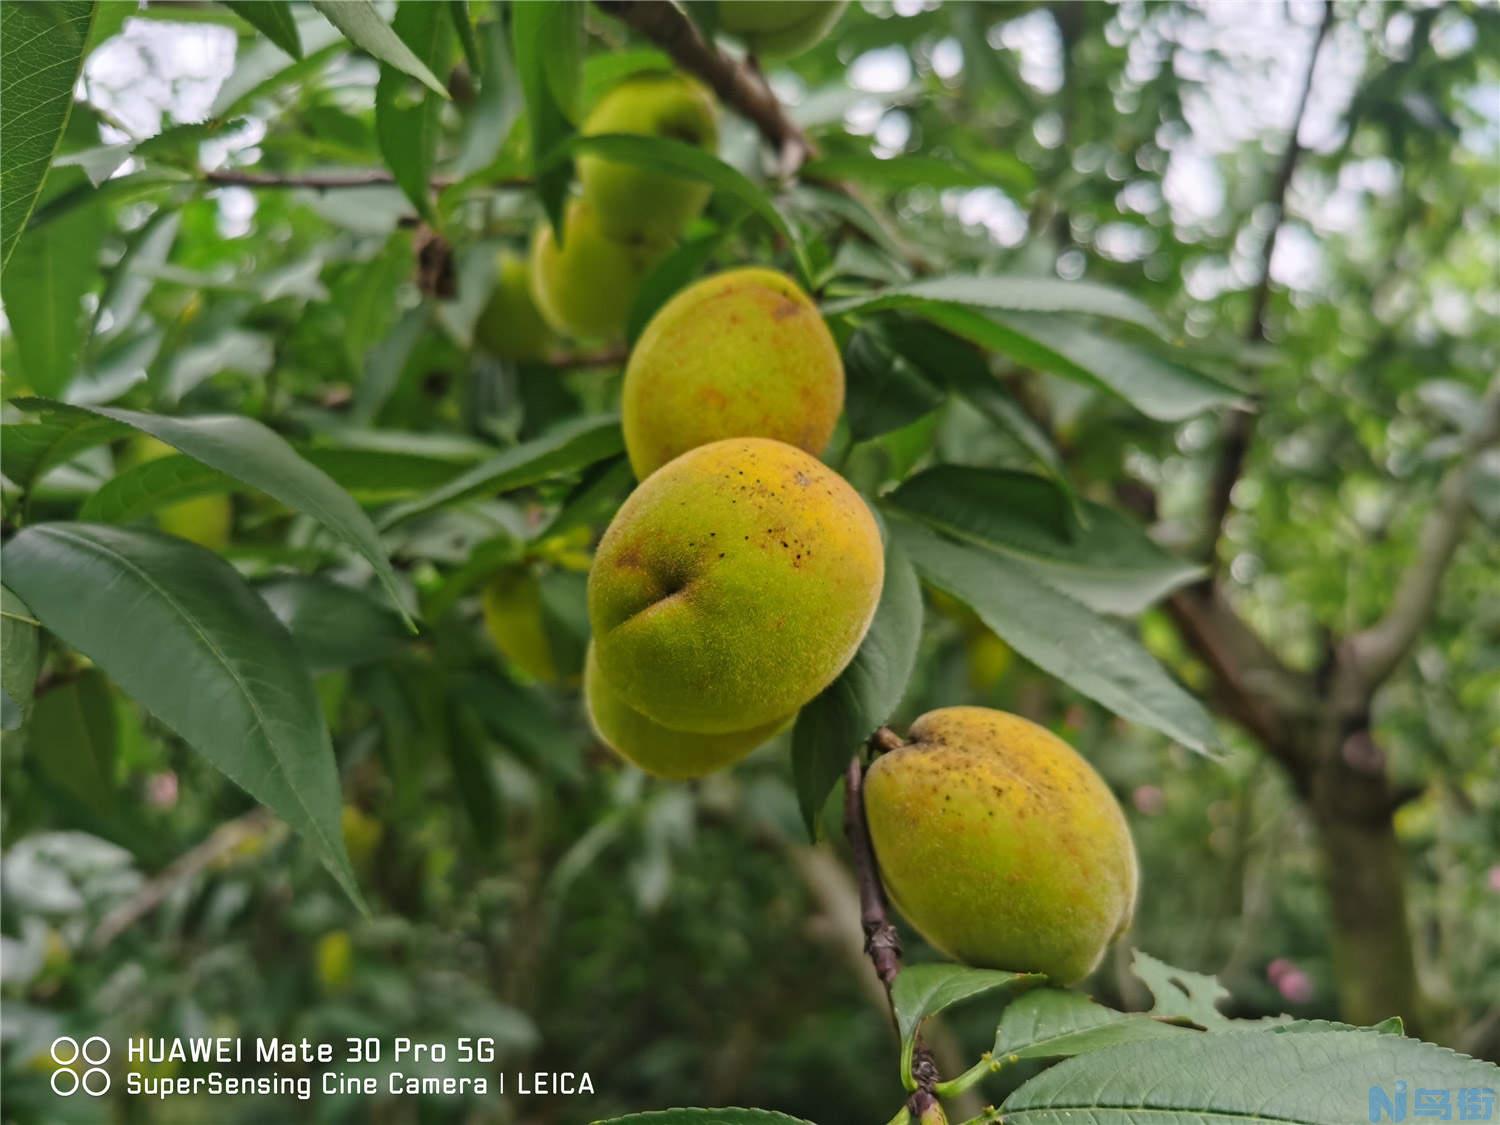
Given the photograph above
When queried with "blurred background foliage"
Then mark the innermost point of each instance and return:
(684, 943)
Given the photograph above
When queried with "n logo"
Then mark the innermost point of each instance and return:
(1385, 1108)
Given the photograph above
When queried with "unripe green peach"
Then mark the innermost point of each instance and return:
(510, 326)
(779, 28)
(661, 750)
(741, 354)
(585, 287)
(634, 201)
(204, 520)
(733, 585)
(1001, 845)
(512, 603)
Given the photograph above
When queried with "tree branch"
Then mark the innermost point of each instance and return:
(1371, 655)
(882, 942)
(325, 181)
(1240, 427)
(737, 84)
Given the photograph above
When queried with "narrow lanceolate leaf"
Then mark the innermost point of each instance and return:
(567, 449)
(73, 740)
(361, 25)
(178, 630)
(407, 119)
(706, 1117)
(831, 729)
(256, 456)
(1060, 635)
(925, 990)
(334, 625)
(151, 486)
(1050, 1023)
(1108, 563)
(41, 56)
(273, 19)
(1006, 294)
(19, 653)
(1312, 1078)
(547, 41)
(660, 154)
(43, 285)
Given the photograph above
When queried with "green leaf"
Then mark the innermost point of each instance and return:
(361, 24)
(921, 991)
(906, 170)
(263, 69)
(948, 360)
(177, 628)
(43, 286)
(1108, 564)
(20, 653)
(29, 449)
(885, 392)
(1181, 994)
(273, 19)
(997, 293)
(660, 154)
(566, 449)
(547, 42)
(249, 452)
(1060, 635)
(151, 486)
(334, 625)
(705, 1117)
(41, 55)
(1314, 1078)
(408, 122)
(831, 729)
(1051, 1023)
(681, 266)
(73, 738)
(458, 10)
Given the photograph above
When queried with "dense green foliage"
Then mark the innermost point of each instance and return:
(1066, 251)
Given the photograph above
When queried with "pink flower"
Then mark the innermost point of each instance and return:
(1296, 986)
(1148, 799)
(161, 790)
(1495, 878)
(1278, 969)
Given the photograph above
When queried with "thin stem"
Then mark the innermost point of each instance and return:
(882, 943)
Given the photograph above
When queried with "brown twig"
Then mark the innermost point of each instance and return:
(331, 181)
(882, 942)
(737, 84)
(1240, 427)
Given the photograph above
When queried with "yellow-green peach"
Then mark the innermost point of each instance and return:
(779, 28)
(1001, 844)
(657, 749)
(631, 200)
(733, 586)
(585, 287)
(510, 326)
(743, 353)
(204, 520)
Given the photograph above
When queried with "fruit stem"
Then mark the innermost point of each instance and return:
(882, 943)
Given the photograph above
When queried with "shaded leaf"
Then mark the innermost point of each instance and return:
(20, 653)
(547, 43)
(1051, 1023)
(1060, 635)
(831, 729)
(885, 391)
(1108, 563)
(334, 625)
(566, 449)
(177, 628)
(73, 739)
(1179, 993)
(407, 122)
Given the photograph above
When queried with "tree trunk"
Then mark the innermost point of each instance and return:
(1373, 959)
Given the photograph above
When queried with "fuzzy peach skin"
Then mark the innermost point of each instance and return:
(740, 354)
(779, 28)
(659, 750)
(1001, 845)
(733, 585)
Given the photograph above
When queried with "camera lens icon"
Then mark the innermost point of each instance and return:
(67, 1052)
